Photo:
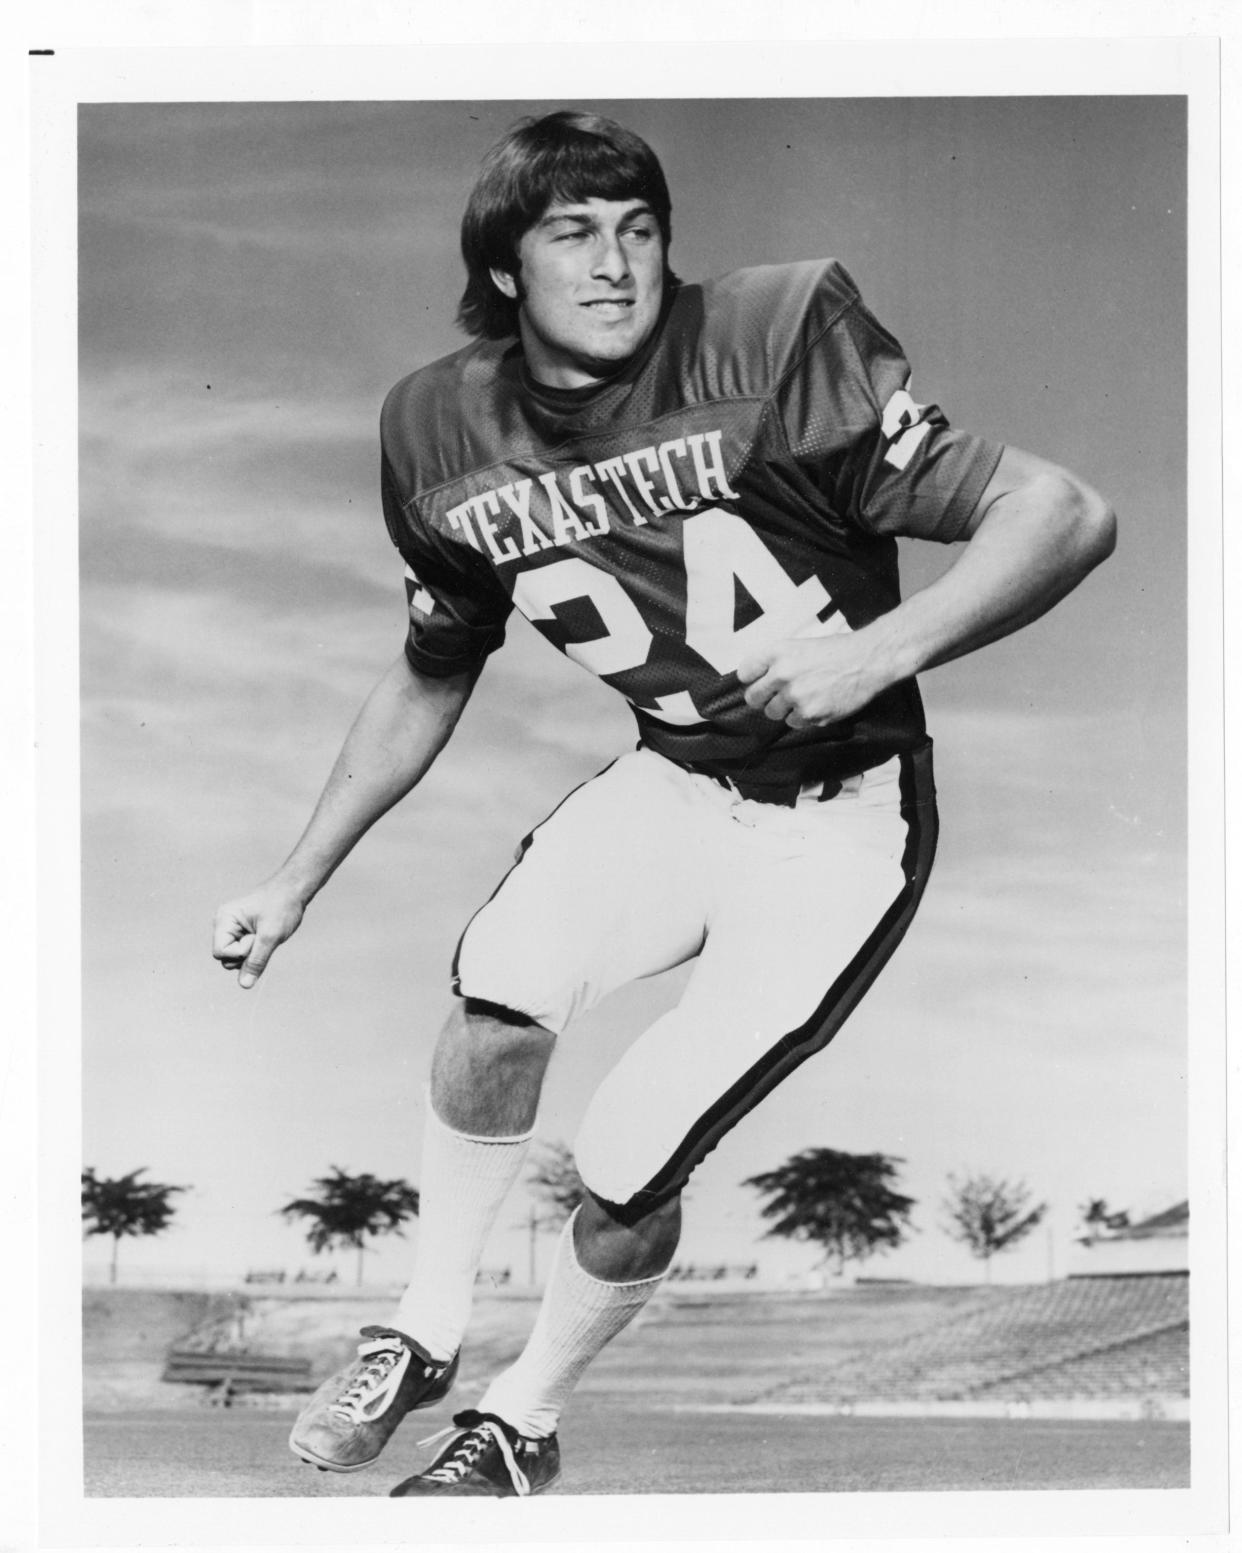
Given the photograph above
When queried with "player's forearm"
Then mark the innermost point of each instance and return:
(403, 725)
(1033, 546)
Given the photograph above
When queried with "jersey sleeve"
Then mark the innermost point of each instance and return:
(886, 462)
(456, 610)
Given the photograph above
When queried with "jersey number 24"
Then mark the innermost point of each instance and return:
(719, 547)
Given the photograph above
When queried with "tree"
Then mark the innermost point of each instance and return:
(557, 1188)
(842, 1202)
(349, 1209)
(123, 1205)
(1097, 1217)
(988, 1215)
(555, 1183)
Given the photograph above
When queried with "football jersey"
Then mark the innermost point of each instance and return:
(741, 480)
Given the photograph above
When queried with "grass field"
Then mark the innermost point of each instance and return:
(612, 1446)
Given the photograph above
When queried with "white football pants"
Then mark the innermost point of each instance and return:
(791, 912)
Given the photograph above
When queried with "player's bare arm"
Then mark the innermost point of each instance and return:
(1035, 534)
(403, 725)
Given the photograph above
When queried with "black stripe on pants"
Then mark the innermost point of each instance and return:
(918, 809)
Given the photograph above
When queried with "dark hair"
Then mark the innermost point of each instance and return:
(562, 156)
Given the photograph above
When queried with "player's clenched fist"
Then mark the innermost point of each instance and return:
(809, 682)
(247, 931)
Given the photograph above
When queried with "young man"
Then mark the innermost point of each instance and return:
(694, 492)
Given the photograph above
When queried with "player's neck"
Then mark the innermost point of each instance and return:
(553, 393)
(557, 374)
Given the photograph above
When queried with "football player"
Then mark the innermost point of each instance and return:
(695, 492)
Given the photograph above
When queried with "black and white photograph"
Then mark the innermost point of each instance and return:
(631, 658)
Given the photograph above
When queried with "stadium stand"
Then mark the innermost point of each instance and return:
(712, 1272)
(1080, 1338)
(1155, 1364)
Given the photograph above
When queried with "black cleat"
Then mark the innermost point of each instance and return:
(487, 1458)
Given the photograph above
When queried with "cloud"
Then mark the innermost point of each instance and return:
(157, 413)
(248, 225)
(231, 492)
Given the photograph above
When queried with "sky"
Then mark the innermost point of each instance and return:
(252, 279)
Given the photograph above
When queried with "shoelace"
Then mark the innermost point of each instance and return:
(375, 1382)
(470, 1447)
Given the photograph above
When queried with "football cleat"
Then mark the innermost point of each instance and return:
(350, 1419)
(487, 1457)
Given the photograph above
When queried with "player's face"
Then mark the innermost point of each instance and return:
(592, 278)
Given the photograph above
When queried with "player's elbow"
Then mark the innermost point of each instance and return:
(1086, 522)
(1097, 522)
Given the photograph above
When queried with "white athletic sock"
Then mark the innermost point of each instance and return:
(578, 1316)
(464, 1180)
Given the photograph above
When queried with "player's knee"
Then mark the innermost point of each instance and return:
(632, 1247)
(657, 1217)
(487, 1038)
(487, 1070)
(484, 1034)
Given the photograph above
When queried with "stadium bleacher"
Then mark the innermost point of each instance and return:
(1080, 1338)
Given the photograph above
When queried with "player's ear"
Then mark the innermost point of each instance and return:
(505, 282)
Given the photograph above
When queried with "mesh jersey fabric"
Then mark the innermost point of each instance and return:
(745, 473)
